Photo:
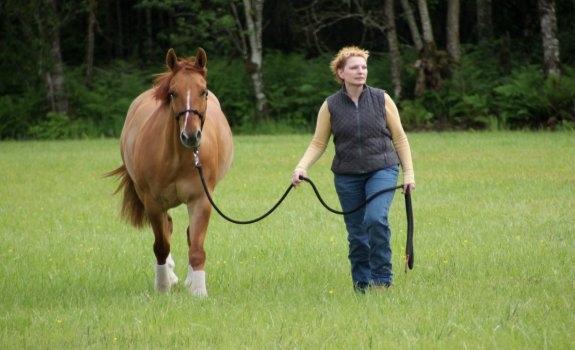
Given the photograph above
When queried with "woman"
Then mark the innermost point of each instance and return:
(369, 144)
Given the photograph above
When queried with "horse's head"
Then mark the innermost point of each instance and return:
(187, 93)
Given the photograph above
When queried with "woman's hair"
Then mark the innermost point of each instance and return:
(340, 59)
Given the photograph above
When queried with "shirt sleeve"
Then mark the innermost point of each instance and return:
(320, 139)
(399, 140)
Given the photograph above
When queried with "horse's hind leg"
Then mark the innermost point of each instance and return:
(162, 225)
(199, 214)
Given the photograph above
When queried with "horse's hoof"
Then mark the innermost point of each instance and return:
(196, 282)
(200, 293)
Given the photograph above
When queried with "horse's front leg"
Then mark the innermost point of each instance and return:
(161, 223)
(199, 213)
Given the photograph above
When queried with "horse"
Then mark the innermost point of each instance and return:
(164, 127)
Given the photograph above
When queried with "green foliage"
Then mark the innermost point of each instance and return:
(229, 81)
(527, 99)
(18, 112)
(58, 126)
(479, 96)
(296, 88)
(473, 111)
(415, 116)
(106, 101)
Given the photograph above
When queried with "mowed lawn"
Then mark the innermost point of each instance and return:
(494, 253)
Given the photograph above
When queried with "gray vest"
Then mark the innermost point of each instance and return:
(360, 134)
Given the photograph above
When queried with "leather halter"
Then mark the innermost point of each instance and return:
(201, 115)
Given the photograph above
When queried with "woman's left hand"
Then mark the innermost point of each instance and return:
(408, 188)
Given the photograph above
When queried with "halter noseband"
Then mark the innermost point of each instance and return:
(201, 115)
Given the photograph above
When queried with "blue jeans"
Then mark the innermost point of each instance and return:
(368, 229)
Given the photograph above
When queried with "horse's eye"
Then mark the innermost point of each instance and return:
(204, 93)
(172, 94)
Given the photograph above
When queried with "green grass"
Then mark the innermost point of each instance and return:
(494, 243)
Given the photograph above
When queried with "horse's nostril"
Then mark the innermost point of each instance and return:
(190, 141)
(185, 138)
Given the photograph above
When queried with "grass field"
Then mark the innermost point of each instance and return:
(494, 244)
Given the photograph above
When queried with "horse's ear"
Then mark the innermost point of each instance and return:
(201, 58)
(171, 59)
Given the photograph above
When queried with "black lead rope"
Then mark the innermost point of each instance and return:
(240, 222)
(408, 208)
(409, 243)
(408, 211)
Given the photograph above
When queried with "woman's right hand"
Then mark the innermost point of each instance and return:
(295, 180)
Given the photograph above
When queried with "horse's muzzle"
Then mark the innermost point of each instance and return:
(191, 141)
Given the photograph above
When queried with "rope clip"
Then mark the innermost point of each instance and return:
(197, 162)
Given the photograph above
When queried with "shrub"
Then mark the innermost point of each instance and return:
(528, 99)
(58, 126)
(415, 116)
(106, 101)
(19, 112)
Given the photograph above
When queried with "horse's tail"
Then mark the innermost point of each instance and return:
(133, 210)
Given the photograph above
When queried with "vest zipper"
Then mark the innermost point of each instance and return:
(359, 134)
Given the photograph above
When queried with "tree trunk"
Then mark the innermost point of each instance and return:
(429, 64)
(55, 74)
(548, 19)
(412, 23)
(254, 12)
(453, 47)
(92, 6)
(484, 20)
(394, 53)
(425, 22)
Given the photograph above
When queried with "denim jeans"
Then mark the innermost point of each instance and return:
(368, 230)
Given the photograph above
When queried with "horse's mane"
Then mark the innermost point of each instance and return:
(162, 80)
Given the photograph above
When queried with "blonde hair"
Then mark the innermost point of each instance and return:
(339, 60)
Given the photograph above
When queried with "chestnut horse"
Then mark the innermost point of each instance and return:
(164, 126)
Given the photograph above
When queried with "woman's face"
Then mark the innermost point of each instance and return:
(354, 72)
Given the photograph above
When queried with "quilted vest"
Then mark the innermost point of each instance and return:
(360, 134)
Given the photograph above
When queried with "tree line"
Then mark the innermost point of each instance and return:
(75, 65)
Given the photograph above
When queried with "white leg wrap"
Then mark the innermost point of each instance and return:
(171, 264)
(165, 276)
(196, 282)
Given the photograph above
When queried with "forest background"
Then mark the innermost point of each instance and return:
(69, 69)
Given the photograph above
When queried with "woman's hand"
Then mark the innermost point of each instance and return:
(295, 180)
(408, 188)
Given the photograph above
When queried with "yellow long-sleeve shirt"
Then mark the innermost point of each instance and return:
(322, 134)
